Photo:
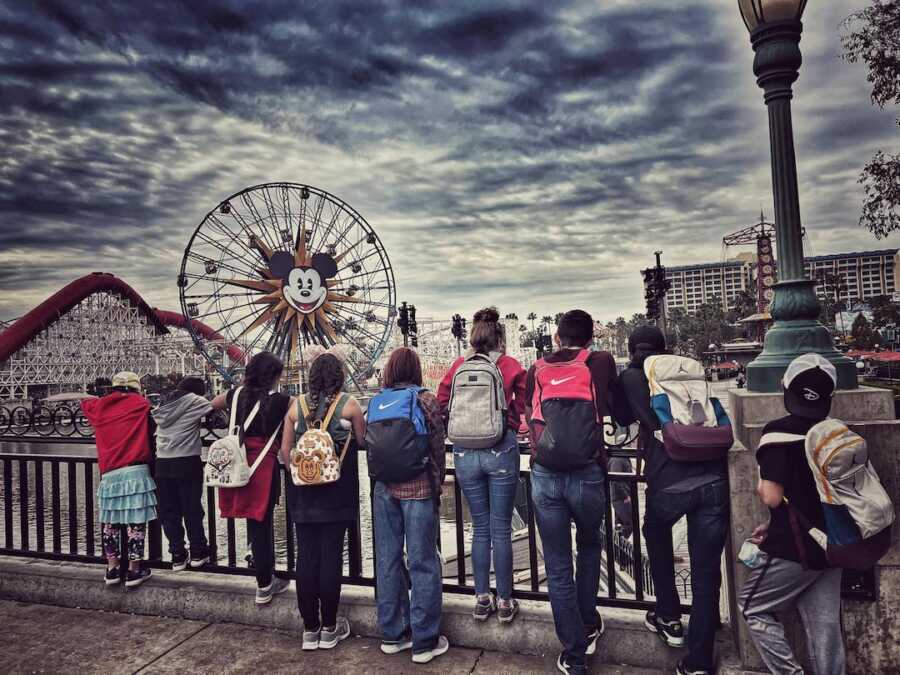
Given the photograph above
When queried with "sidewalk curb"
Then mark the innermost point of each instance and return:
(217, 598)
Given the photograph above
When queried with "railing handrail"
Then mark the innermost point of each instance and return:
(624, 558)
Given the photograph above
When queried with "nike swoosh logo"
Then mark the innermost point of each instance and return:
(381, 406)
(558, 382)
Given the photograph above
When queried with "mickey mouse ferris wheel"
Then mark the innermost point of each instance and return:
(282, 266)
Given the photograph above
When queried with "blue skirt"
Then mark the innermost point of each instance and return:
(127, 496)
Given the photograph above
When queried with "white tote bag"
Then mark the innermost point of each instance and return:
(226, 462)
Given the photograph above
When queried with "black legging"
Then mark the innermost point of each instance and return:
(262, 537)
(320, 565)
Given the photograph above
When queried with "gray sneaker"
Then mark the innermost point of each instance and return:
(264, 595)
(484, 607)
(507, 610)
(443, 644)
(331, 637)
(311, 640)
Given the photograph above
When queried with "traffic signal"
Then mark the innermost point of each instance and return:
(456, 327)
(403, 321)
(412, 326)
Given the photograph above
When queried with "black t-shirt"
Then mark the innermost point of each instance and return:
(632, 404)
(271, 413)
(783, 461)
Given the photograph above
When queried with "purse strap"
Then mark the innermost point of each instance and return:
(265, 451)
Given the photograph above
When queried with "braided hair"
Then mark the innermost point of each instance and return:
(326, 380)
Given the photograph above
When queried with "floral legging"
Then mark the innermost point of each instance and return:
(135, 534)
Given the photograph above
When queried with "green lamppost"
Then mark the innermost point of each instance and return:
(775, 30)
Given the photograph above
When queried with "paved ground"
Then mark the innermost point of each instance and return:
(46, 639)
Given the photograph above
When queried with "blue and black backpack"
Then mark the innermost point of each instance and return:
(396, 436)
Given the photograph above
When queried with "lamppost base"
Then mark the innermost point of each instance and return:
(785, 341)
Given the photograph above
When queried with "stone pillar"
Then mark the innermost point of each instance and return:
(870, 628)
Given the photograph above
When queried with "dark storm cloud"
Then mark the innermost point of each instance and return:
(495, 148)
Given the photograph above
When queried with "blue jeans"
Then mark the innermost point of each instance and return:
(560, 498)
(489, 478)
(414, 520)
(706, 508)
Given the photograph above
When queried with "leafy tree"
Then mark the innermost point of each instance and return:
(744, 303)
(692, 334)
(872, 35)
(884, 312)
(862, 335)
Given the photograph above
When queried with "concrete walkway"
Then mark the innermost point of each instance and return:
(43, 638)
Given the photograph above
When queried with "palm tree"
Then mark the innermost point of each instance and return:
(532, 317)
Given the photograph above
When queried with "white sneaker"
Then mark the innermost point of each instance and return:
(443, 644)
(330, 638)
(396, 646)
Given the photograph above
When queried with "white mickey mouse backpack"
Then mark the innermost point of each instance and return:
(226, 462)
(314, 459)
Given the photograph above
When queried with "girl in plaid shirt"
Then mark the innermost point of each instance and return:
(407, 513)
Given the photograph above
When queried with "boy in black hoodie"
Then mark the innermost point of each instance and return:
(698, 490)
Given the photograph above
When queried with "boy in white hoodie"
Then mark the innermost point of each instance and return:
(179, 471)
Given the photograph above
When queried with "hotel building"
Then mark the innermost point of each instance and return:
(865, 274)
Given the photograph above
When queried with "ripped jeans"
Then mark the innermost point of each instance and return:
(488, 478)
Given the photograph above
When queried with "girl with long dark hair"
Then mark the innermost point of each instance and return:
(322, 513)
(256, 500)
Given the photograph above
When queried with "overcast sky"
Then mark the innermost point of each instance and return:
(529, 155)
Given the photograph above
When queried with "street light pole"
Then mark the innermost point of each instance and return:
(775, 30)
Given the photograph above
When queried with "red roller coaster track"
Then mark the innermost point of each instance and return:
(45, 314)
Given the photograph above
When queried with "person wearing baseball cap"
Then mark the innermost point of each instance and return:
(809, 384)
(127, 493)
(790, 568)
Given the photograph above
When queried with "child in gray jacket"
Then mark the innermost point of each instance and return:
(179, 471)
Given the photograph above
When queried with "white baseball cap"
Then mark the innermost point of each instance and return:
(806, 362)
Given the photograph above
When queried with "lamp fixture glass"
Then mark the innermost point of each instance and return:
(756, 12)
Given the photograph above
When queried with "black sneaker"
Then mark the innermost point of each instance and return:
(507, 610)
(593, 637)
(564, 666)
(670, 632)
(484, 607)
(113, 576)
(199, 560)
(179, 561)
(137, 578)
(681, 669)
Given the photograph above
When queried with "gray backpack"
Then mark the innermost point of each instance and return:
(477, 403)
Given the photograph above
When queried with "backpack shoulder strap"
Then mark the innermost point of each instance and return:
(582, 356)
(330, 413)
(302, 411)
(233, 417)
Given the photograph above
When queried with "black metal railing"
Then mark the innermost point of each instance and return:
(52, 497)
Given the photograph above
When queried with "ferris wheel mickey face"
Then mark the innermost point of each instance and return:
(304, 287)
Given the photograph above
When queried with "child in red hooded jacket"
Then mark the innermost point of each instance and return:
(127, 492)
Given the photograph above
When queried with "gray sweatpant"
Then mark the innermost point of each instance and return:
(779, 584)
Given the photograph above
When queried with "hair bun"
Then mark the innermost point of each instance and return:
(488, 314)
